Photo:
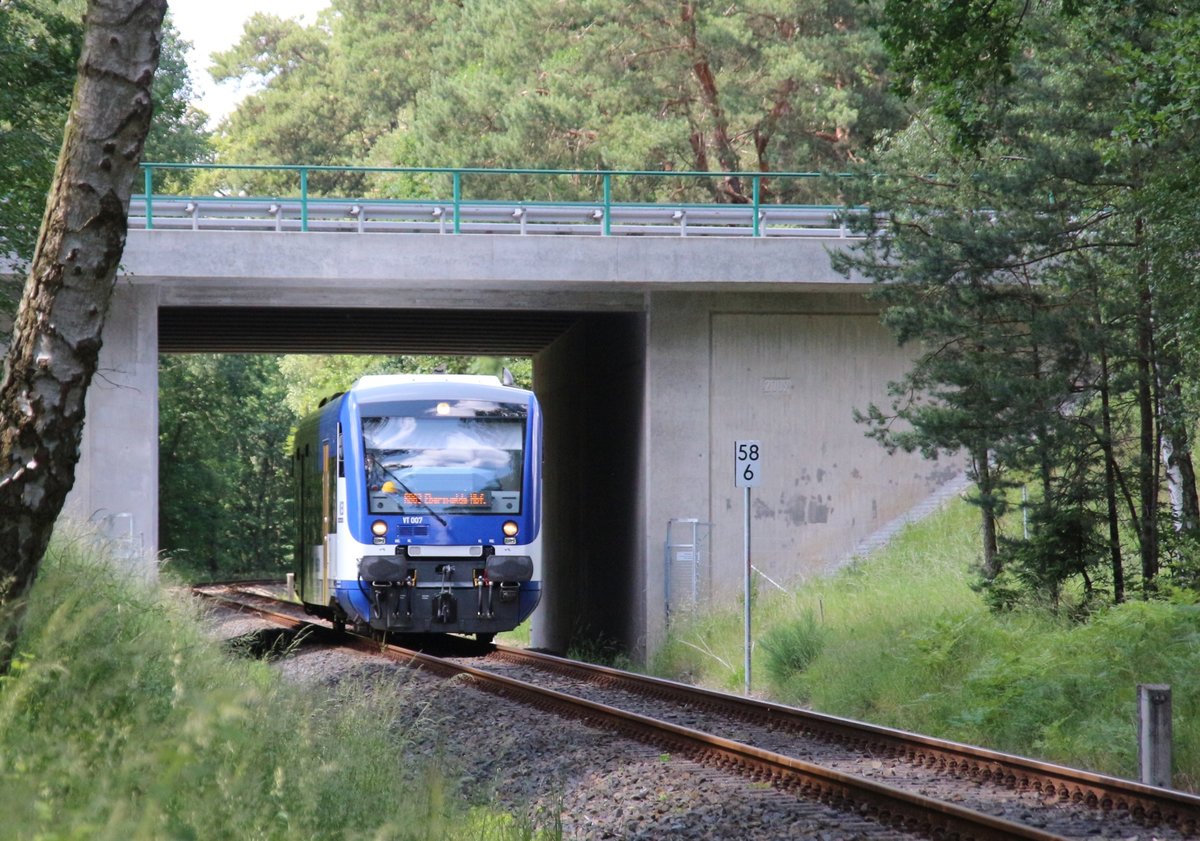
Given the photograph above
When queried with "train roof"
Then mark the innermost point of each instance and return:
(377, 380)
(376, 388)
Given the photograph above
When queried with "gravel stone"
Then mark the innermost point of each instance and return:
(558, 772)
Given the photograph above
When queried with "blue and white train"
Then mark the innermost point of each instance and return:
(418, 505)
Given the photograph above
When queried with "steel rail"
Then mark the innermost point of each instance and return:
(1147, 803)
(887, 804)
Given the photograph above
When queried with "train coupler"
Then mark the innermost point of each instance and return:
(484, 610)
(445, 606)
(445, 609)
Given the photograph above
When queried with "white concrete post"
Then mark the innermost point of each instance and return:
(1154, 734)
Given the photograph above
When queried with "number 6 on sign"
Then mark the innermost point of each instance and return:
(746, 472)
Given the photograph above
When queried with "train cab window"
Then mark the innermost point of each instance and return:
(453, 465)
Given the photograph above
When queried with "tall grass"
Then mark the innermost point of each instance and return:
(901, 639)
(122, 720)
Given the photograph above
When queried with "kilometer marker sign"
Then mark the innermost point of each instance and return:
(746, 456)
(747, 474)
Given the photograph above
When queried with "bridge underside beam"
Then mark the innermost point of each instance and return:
(362, 330)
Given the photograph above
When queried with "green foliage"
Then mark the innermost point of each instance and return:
(519, 637)
(1070, 693)
(768, 85)
(177, 131)
(791, 647)
(224, 475)
(924, 572)
(121, 720)
(765, 85)
(705, 647)
(1065, 541)
(40, 42)
(312, 378)
(902, 639)
(327, 92)
(593, 647)
(958, 54)
(1182, 552)
(1030, 261)
(225, 426)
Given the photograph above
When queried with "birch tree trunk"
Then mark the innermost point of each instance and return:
(56, 334)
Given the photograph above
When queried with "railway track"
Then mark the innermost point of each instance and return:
(1066, 802)
(902, 781)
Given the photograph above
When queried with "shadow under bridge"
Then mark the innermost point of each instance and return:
(589, 377)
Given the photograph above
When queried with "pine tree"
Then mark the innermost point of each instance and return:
(1023, 179)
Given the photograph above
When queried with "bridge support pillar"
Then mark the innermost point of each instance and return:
(678, 384)
(116, 480)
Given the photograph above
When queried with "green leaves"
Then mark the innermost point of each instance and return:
(224, 473)
(326, 92)
(1039, 247)
(40, 42)
(225, 426)
(177, 131)
(959, 55)
(766, 84)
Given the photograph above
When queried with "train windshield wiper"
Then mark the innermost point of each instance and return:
(409, 491)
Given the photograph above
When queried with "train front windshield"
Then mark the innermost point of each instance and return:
(444, 465)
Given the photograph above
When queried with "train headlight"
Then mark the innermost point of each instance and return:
(510, 528)
(379, 528)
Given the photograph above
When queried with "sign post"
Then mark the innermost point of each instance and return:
(747, 474)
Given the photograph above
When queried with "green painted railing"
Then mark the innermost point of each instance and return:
(759, 183)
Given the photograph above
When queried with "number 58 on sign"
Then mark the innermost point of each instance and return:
(747, 460)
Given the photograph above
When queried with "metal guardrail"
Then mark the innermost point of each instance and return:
(348, 215)
(456, 214)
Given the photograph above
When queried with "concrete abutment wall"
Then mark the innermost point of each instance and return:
(116, 480)
(787, 370)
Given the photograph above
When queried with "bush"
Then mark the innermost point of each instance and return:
(121, 720)
(902, 639)
(1069, 694)
(791, 647)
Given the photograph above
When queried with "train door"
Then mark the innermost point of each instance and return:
(309, 544)
(299, 486)
(328, 518)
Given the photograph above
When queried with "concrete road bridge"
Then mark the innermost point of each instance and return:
(660, 333)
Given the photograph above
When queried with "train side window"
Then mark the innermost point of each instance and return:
(327, 486)
(341, 465)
